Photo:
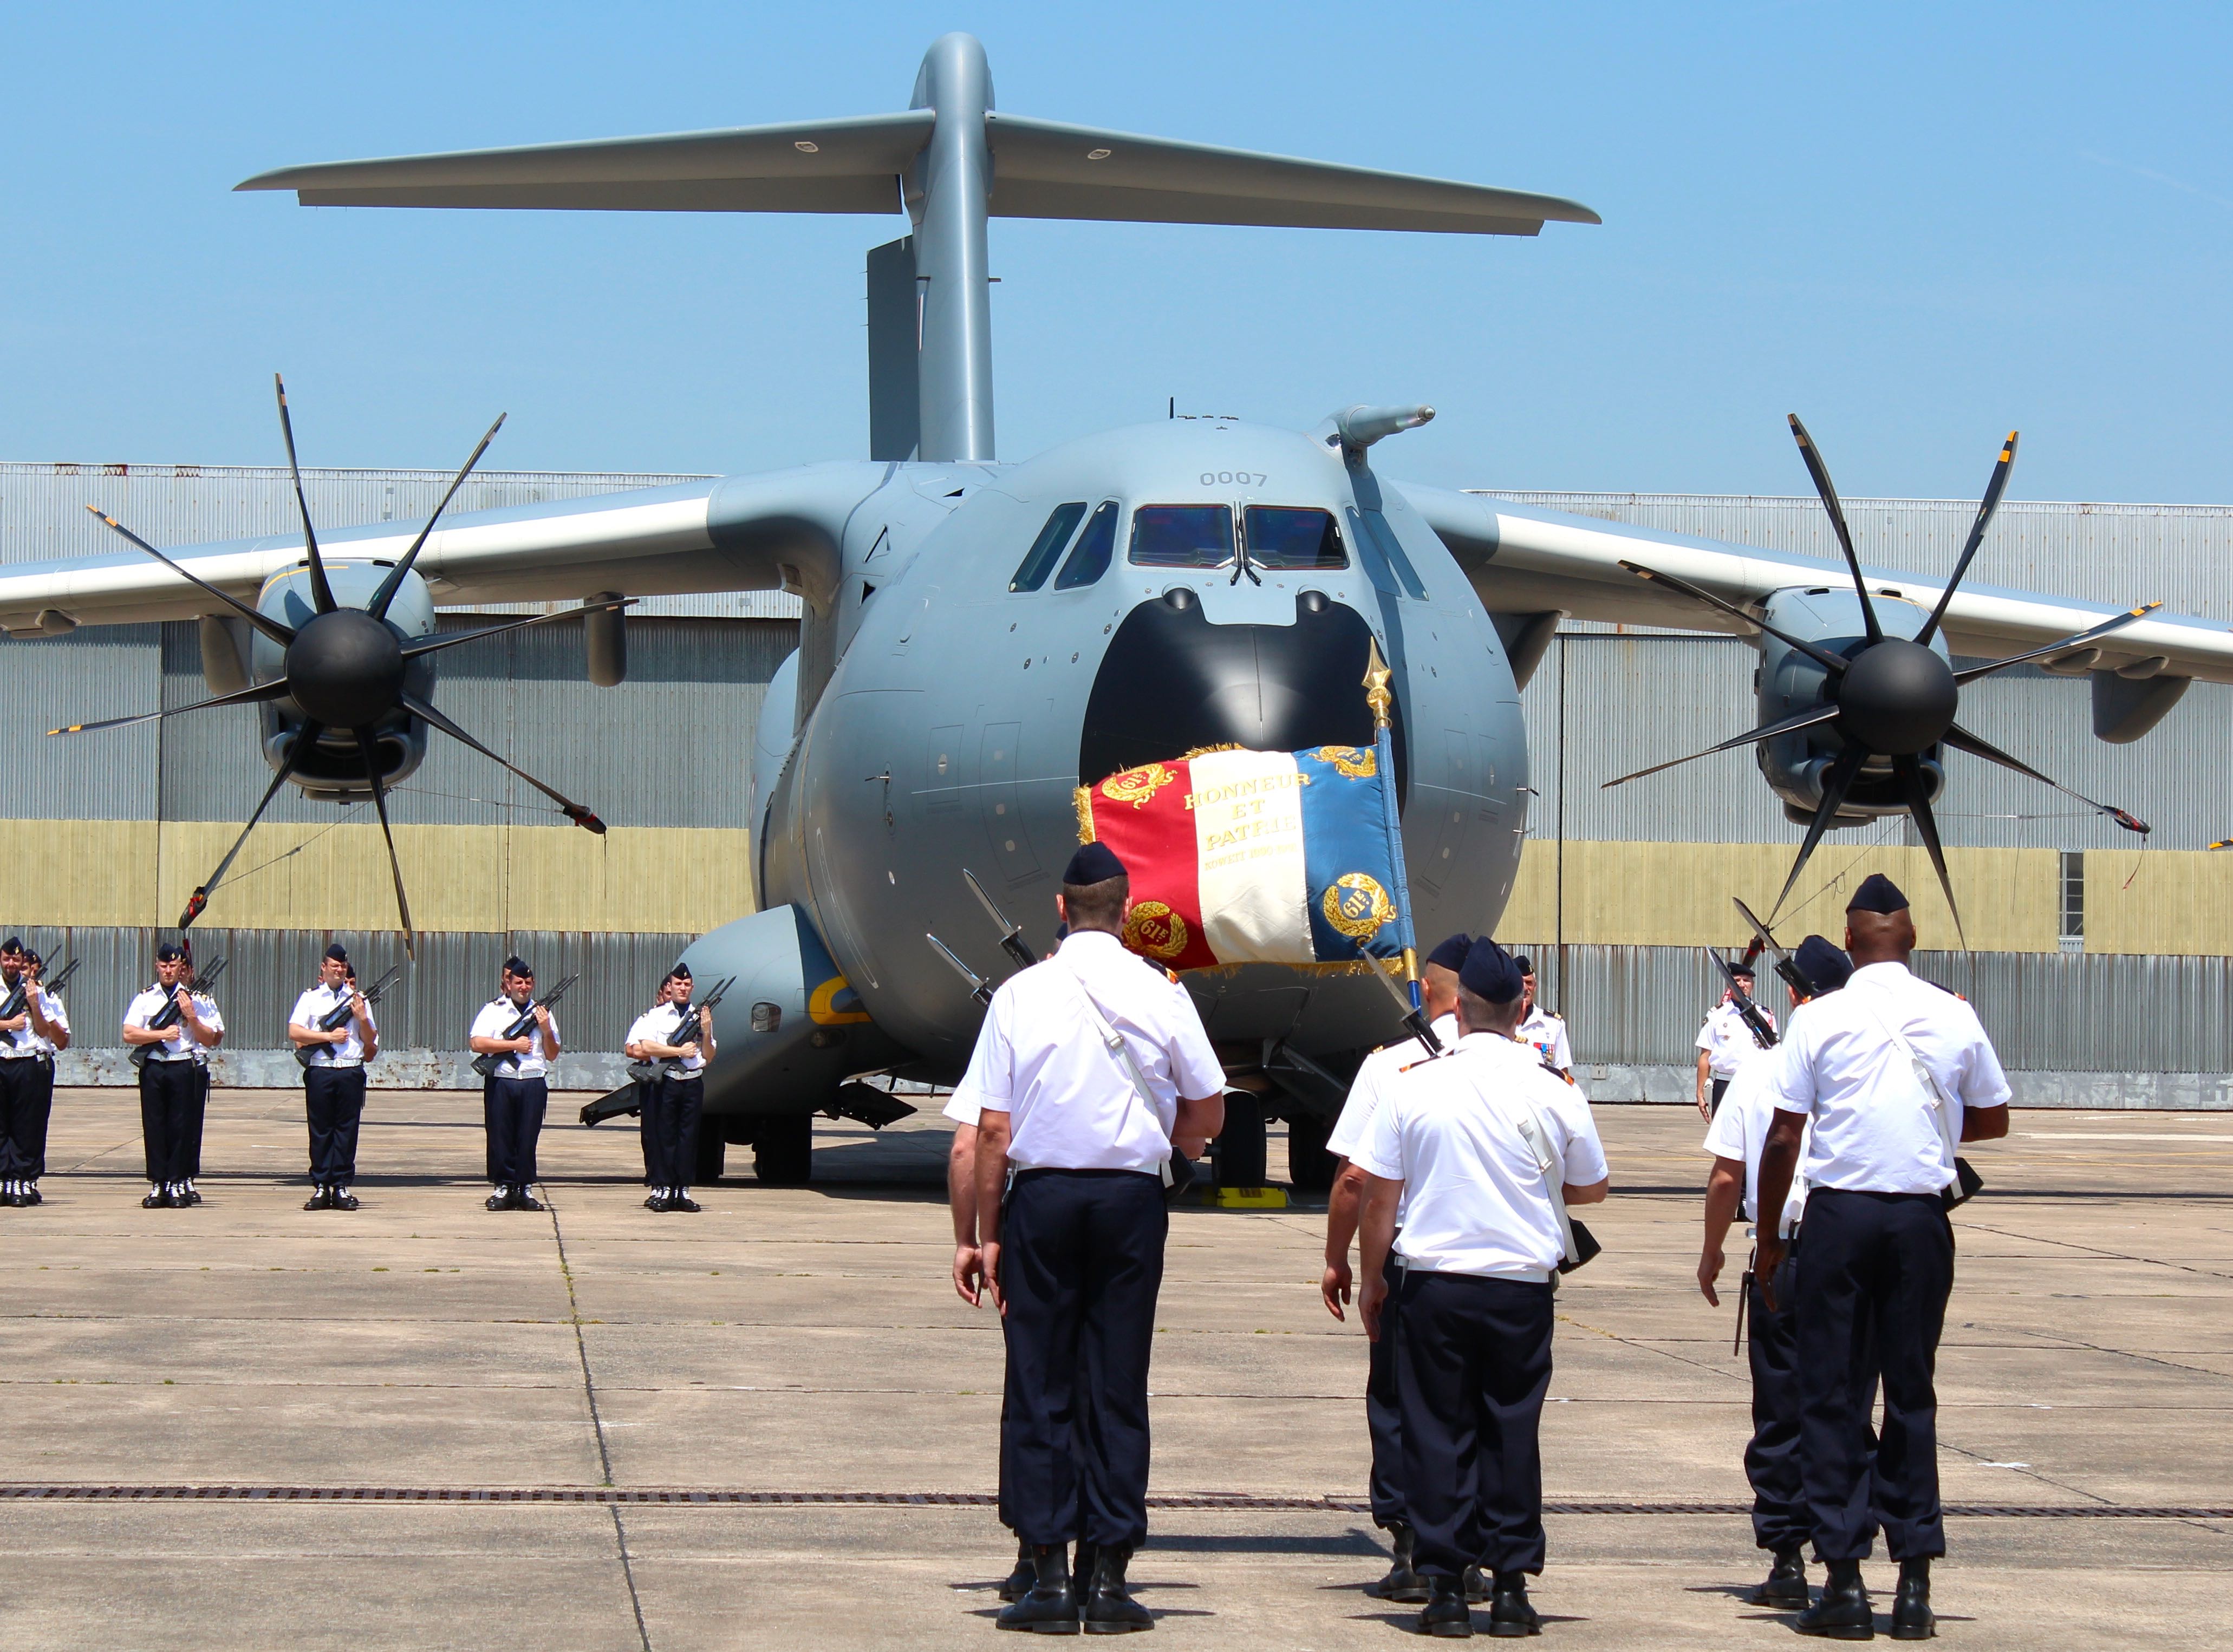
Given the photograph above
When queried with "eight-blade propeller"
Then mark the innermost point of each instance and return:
(1890, 699)
(345, 669)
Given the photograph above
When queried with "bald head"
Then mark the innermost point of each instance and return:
(1879, 937)
(1438, 991)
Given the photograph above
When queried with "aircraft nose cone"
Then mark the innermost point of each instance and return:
(1898, 697)
(345, 669)
(1172, 682)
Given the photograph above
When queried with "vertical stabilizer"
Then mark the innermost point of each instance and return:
(894, 347)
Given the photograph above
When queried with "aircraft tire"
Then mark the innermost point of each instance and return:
(1310, 1166)
(1240, 1144)
(783, 1150)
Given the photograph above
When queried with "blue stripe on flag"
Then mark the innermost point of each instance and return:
(1346, 835)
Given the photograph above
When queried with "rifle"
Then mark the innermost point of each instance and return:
(168, 1015)
(685, 1030)
(629, 1097)
(1744, 1295)
(20, 998)
(979, 988)
(1785, 966)
(1762, 1034)
(1012, 936)
(334, 1019)
(486, 1065)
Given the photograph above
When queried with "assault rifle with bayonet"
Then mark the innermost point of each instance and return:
(486, 1065)
(168, 1016)
(337, 1017)
(20, 1000)
(628, 1098)
(685, 1031)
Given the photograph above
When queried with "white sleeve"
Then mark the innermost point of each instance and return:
(961, 1107)
(1708, 1034)
(1582, 1154)
(1564, 1054)
(639, 1030)
(53, 1009)
(1725, 1135)
(1981, 1082)
(207, 1008)
(1791, 1081)
(300, 1014)
(1381, 1152)
(1357, 1111)
(991, 1076)
(1195, 1066)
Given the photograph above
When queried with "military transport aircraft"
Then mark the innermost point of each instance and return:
(981, 637)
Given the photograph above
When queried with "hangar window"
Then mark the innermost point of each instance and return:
(1032, 573)
(2073, 901)
(1182, 536)
(1088, 561)
(1289, 538)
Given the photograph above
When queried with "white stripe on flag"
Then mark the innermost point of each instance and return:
(1247, 812)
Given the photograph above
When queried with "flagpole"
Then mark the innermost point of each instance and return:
(1377, 697)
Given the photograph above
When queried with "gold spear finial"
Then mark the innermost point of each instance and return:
(1376, 685)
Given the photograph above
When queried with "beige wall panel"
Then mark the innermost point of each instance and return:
(78, 871)
(684, 879)
(2159, 901)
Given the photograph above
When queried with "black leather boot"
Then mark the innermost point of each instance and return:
(1911, 1616)
(1048, 1607)
(1081, 1569)
(1786, 1582)
(1843, 1612)
(1447, 1613)
(1476, 1586)
(1509, 1610)
(1109, 1608)
(1403, 1582)
(1018, 1582)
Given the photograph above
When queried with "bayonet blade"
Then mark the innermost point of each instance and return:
(1012, 936)
(979, 988)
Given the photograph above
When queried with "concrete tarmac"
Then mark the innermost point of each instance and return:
(442, 1427)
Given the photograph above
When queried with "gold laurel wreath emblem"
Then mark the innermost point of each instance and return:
(1155, 929)
(1357, 905)
(1136, 786)
(1349, 761)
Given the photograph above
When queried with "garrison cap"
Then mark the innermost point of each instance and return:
(1490, 973)
(517, 966)
(679, 973)
(169, 952)
(1451, 953)
(1742, 970)
(1877, 893)
(338, 952)
(13, 944)
(1524, 964)
(1093, 863)
(1825, 964)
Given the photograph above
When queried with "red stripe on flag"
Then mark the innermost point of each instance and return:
(1141, 814)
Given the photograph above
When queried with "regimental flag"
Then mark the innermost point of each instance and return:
(1252, 857)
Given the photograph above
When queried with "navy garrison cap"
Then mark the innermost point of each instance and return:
(1877, 893)
(517, 966)
(1451, 953)
(1490, 973)
(1524, 964)
(338, 952)
(679, 973)
(1093, 863)
(1825, 966)
(13, 944)
(169, 952)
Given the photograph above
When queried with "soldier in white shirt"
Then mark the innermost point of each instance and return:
(1735, 1138)
(1890, 1072)
(1538, 1026)
(516, 1096)
(1482, 1150)
(334, 1082)
(1075, 1258)
(1438, 998)
(1725, 1043)
(675, 1102)
(29, 1043)
(179, 1028)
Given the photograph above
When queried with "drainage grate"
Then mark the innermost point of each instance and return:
(684, 1497)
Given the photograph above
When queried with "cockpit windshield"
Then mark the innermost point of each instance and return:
(1182, 536)
(1292, 537)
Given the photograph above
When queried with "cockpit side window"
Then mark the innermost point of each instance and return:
(1292, 538)
(1182, 536)
(1088, 561)
(1032, 573)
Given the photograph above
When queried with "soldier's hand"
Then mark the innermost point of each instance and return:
(543, 1017)
(1369, 1301)
(1334, 1287)
(1767, 1256)
(1710, 1269)
(1705, 1110)
(969, 1273)
(688, 1049)
(991, 1253)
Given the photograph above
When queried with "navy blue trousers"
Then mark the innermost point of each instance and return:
(1473, 1364)
(26, 1102)
(170, 1118)
(333, 1099)
(1384, 1406)
(511, 1115)
(1874, 1273)
(670, 1117)
(1771, 1461)
(1081, 1265)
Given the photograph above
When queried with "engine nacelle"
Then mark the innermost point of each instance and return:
(1788, 682)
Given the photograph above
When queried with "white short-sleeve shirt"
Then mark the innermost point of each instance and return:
(322, 1000)
(1354, 1128)
(181, 1046)
(1740, 1131)
(1476, 1201)
(27, 1041)
(497, 1017)
(1875, 1128)
(1072, 1104)
(1727, 1040)
(658, 1024)
(1548, 1032)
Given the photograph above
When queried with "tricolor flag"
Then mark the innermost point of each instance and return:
(1252, 857)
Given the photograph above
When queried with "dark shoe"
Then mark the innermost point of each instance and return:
(30, 1194)
(157, 1199)
(320, 1199)
(1787, 1583)
(682, 1200)
(186, 1198)
(10, 1197)
(1911, 1616)
(523, 1199)
(1109, 1608)
(500, 1200)
(1403, 1582)
(1447, 1614)
(1509, 1610)
(1048, 1607)
(656, 1200)
(341, 1200)
(1842, 1613)
(1476, 1586)
(1017, 1583)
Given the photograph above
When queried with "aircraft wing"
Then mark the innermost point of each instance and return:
(777, 531)
(1522, 559)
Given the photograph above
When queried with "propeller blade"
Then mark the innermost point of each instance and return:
(1835, 664)
(393, 582)
(370, 751)
(305, 737)
(1823, 486)
(1909, 772)
(321, 593)
(272, 690)
(1994, 488)
(1790, 724)
(452, 639)
(1837, 781)
(2078, 641)
(1961, 741)
(282, 634)
(580, 817)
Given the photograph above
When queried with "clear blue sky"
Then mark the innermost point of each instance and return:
(1916, 225)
